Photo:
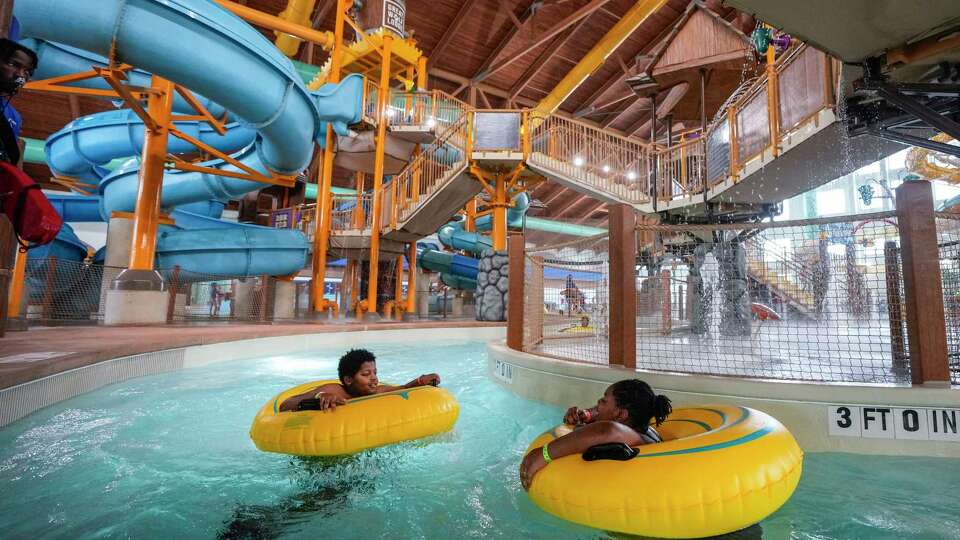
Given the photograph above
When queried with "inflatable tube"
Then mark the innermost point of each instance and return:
(720, 469)
(364, 422)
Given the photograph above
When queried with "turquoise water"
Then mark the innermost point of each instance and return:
(168, 456)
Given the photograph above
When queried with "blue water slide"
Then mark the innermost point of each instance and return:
(163, 37)
(82, 147)
(56, 59)
(75, 208)
(238, 250)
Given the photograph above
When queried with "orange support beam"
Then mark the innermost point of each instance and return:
(369, 305)
(18, 275)
(147, 209)
(321, 236)
(412, 278)
(773, 101)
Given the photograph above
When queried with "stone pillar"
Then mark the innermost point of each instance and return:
(922, 286)
(423, 293)
(735, 314)
(492, 285)
(284, 299)
(133, 302)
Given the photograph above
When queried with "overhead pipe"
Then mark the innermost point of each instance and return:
(277, 24)
(297, 12)
(595, 58)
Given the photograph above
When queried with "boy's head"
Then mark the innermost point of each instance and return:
(17, 64)
(358, 372)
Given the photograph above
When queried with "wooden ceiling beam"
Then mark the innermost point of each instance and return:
(490, 90)
(553, 196)
(620, 76)
(546, 37)
(588, 213)
(545, 56)
(508, 39)
(575, 200)
(544, 189)
(452, 30)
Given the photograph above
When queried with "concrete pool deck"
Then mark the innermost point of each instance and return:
(45, 351)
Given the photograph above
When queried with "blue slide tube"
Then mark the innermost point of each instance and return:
(165, 37)
(57, 59)
(85, 145)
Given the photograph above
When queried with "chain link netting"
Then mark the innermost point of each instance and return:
(819, 300)
(948, 238)
(74, 292)
(815, 300)
(567, 300)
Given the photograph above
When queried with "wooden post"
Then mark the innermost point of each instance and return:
(920, 254)
(894, 302)
(173, 289)
(666, 322)
(6, 16)
(623, 286)
(515, 292)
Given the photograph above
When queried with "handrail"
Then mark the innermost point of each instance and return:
(428, 172)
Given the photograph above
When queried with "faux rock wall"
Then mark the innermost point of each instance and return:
(492, 282)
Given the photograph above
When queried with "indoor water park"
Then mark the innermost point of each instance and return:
(627, 269)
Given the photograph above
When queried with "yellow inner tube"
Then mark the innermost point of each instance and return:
(362, 423)
(577, 329)
(720, 469)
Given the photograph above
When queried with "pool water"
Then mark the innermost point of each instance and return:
(169, 456)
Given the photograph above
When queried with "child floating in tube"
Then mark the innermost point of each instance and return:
(358, 377)
(622, 415)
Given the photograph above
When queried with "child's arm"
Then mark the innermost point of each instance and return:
(328, 394)
(576, 442)
(423, 380)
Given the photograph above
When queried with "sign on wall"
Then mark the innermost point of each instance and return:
(887, 422)
(503, 371)
(394, 15)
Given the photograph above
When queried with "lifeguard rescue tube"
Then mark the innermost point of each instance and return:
(720, 469)
(362, 423)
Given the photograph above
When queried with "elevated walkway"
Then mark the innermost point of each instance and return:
(779, 138)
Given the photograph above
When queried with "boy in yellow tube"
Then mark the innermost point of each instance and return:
(357, 372)
(622, 415)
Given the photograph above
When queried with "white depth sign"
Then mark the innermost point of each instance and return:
(887, 422)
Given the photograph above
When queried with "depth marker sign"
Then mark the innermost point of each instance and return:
(883, 422)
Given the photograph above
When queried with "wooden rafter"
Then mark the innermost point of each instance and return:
(553, 196)
(573, 201)
(589, 211)
(620, 76)
(452, 30)
(546, 37)
(545, 56)
(518, 24)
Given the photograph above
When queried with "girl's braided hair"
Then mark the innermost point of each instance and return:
(641, 403)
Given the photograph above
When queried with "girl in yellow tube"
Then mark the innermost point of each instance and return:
(622, 415)
(357, 372)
